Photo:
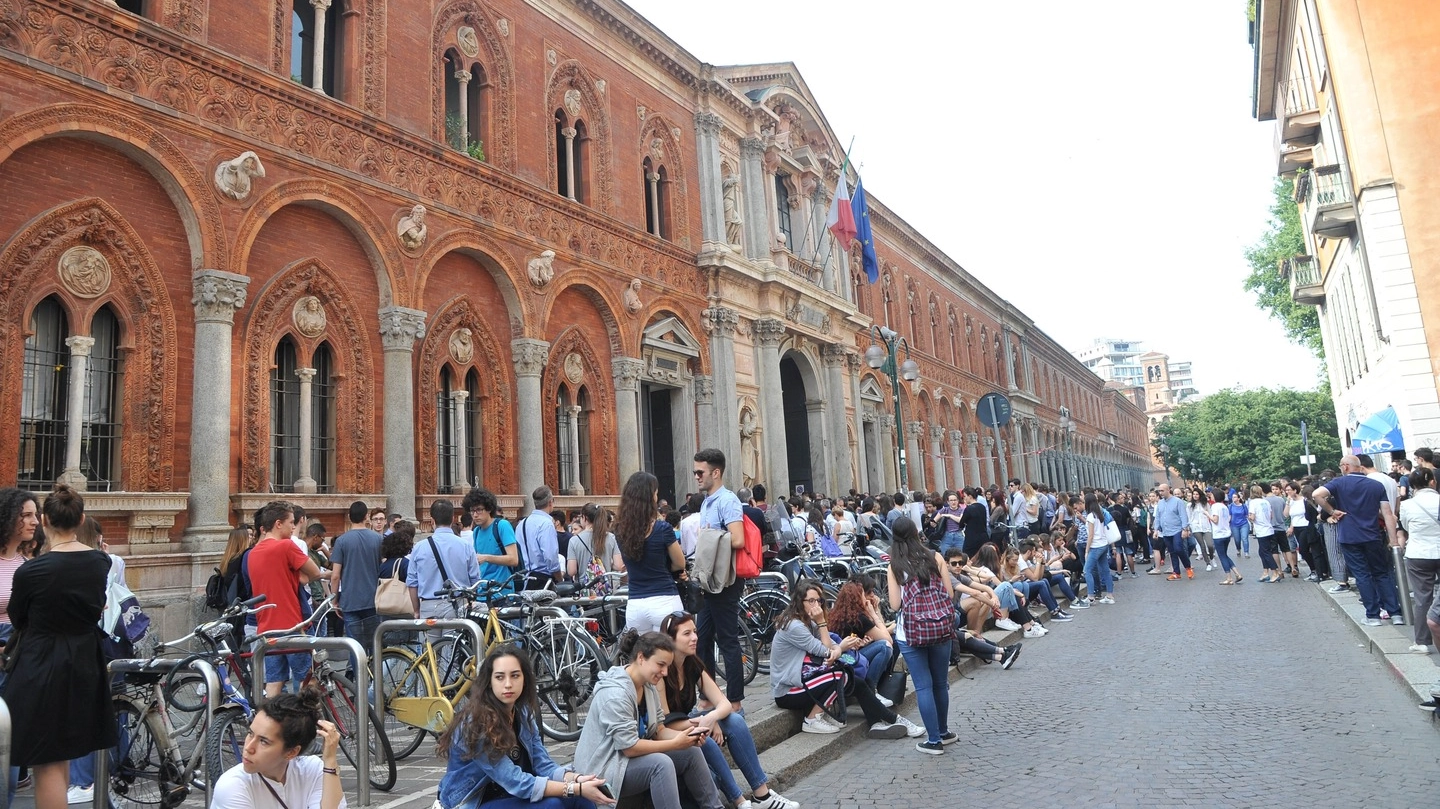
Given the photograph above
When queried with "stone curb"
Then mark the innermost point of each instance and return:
(1388, 643)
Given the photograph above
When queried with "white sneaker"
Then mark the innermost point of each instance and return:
(1006, 624)
(1208, 568)
(817, 724)
(775, 801)
(1422, 649)
(886, 701)
(1035, 632)
(886, 730)
(911, 729)
(80, 795)
(1107, 600)
(1080, 604)
(744, 804)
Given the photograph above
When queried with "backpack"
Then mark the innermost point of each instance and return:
(928, 613)
(215, 591)
(750, 559)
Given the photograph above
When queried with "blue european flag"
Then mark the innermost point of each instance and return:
(862, 232)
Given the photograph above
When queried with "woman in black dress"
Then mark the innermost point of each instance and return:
(58, 693)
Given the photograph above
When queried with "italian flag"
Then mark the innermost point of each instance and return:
(841, 219)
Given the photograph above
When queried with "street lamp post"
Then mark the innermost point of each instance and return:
(1165, 459)
(886, 360)
(1067, 426)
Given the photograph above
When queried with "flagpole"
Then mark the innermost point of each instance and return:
(843, 164)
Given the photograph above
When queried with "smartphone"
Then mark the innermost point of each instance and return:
(605, 790)
(698, 731)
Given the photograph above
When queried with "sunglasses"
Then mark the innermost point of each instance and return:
(674, 619)
(957, 564)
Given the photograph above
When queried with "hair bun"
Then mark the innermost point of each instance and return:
(310, 698)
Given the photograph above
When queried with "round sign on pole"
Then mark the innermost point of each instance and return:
(993, 410)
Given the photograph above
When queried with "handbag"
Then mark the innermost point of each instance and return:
(123, 616)
(392, 597)
(892, 686)
(11, 652)
(817, 667)
(928, 613)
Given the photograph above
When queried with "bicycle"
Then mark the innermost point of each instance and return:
(149, 766)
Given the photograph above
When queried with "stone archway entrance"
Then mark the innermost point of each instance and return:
(667, 406)
(804, 426)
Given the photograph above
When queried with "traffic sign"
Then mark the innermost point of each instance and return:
(1307, 459)
(993, 410)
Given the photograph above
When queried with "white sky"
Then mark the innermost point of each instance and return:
(1093, 161)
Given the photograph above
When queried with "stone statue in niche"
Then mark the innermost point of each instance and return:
(542, 269)
(934, 312)
(640, 111)
(749, 449)
(574, 368)
(504, 26)
(572, 102)
(84, 271)
(466, 39)
(232, 177)
(733, 220)
(633, 304)
(412, 228)
(309, 316)
(657, 150)
(462, 346)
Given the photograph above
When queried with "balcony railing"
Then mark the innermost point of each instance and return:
(1329, 201)
(1306, 285)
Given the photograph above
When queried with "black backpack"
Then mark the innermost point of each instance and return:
(215, 591)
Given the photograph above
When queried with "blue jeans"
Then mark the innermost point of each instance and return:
(953, 539)
(878, 654)
(1097, 563)
(1005, 594)
(1063, 582)
(1369, 562)
(1242, 537)
(930, 670)
(1179, 548)
(360, 625)
(1041, 590)
(742, 749)
(291, 667)
(1222, 550)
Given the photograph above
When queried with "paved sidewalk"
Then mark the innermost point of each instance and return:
(1389, 644)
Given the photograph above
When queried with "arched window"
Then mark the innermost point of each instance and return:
(310, 26)
(466, 94)
(564, 150)
(100, 447)
(322, 420)
(284, 418)
(563, 456)
(782, 209)
(656, 182)
(582, 163)
(474, 459)
(45, 393)
(446, 456)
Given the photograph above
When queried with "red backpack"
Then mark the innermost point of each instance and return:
(750, 560)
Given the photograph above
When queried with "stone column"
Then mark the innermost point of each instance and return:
(721, 322)
(768, 334)
(652, 181)
(757, 216)
(1004, 464)
(1029, 369)
(705, 421)
(305, 483)
(75, 411)
(317, 56)
(712, 192)
(399, 329)
(958, 458)
(987, 447)
(576, 487)
(937, 458)
(461, 439)
(887, 445)
(835, 418)
(914, 457)
(852, 362)
(1007, 357)
(569, 135)
(529, 357)
(216, 295)
(626, 371)
(463, 77)
(1017, 451)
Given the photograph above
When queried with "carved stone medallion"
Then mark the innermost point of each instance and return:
(574, 369)
(309, 316)
(572, 102)
(462, 346)
(503, 25)
(469, 44)
(84, 272)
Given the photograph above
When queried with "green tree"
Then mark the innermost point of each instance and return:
(1242, 435)
(1283, 240)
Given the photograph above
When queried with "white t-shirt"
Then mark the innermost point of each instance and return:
(1420, 517)
(1260, 508)
(1297, 513)
(689, 533)
(1099, 537)
(1221, 526)
(1392, 489)
(303, 787)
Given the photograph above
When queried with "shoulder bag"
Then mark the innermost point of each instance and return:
(392, 597)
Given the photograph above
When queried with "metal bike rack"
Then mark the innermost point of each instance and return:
(4, 754)
(304, 643)
(414, 625)
(102, 760)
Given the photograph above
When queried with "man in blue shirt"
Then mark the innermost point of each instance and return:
(539, 544)
(355, 562)
(442, 556)
(1172, 524)
(492, 538)
(719, 618)
(1360, 509)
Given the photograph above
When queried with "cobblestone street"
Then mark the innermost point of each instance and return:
(1183, 694)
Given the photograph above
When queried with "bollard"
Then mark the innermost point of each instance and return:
(4, 754)
(1402, 582)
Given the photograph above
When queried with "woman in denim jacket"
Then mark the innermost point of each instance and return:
(494, 754)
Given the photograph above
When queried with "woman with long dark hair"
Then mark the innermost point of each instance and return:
(58, 692)
(1091, 519)
(625, 740)
(19, 517)
(686, 683)
(801, 673)
(651, 553)
(494, 754)
(919, 579)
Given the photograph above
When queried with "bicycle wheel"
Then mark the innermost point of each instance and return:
(568, 664)
(185, 696)
(400, 677)
(455, 659)
(225, 743)
(339, 704)
(758, 612)
(749, 664)
(136, 762)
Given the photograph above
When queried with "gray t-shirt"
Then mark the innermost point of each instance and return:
(582, 550)
(357, 551)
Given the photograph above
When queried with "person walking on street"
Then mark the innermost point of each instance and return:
(1285, 541)
(1240, 524)
(1262, 524)
(1172, 528)
(1364, 521)
(1199, 511)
